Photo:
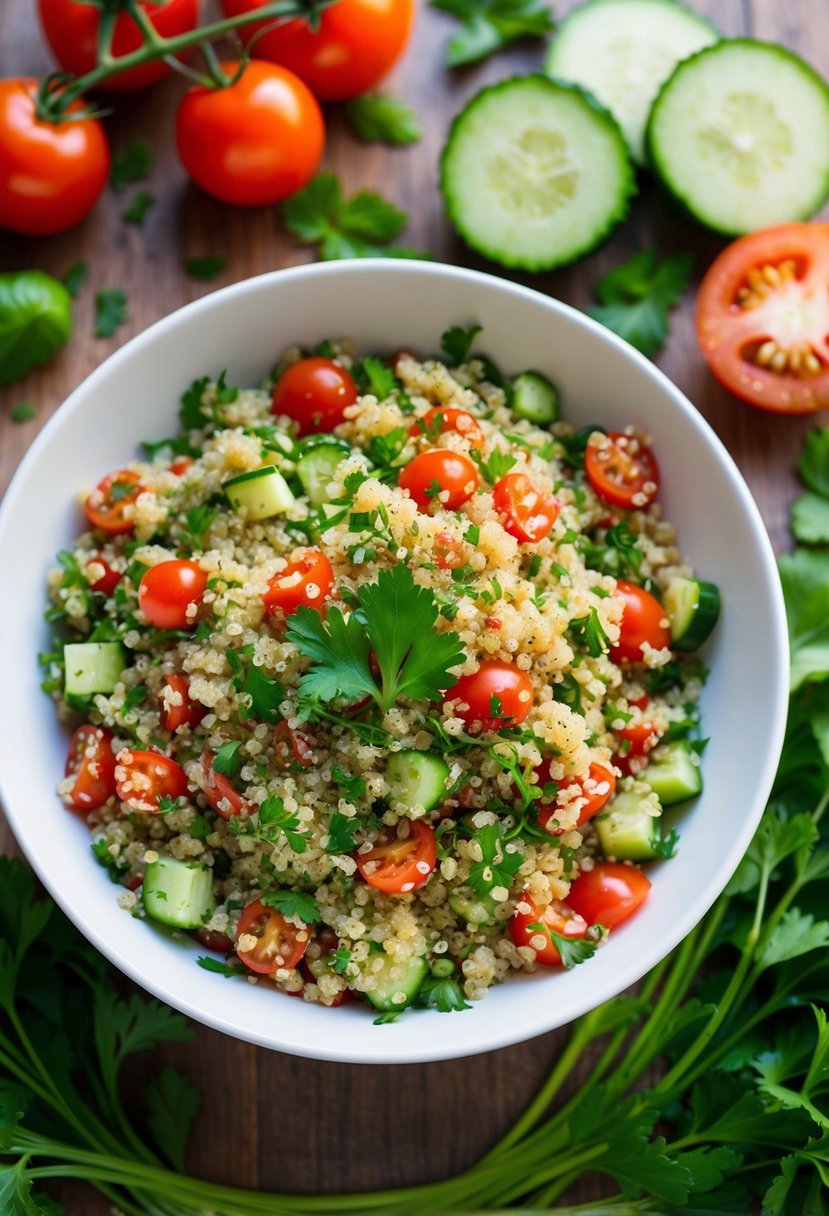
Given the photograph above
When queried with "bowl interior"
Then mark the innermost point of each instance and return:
(386, 305)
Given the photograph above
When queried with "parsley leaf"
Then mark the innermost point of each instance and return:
(635, 298)
(495, 466)
(266, 694)
(805, 579)
(191, 411)
(589, 633)
(24, 411)
(810, 519)
(136, 209)
(199, 519)
(498, 865)
(228, 759)
(207, 267)
(172, 1104)
(456, 342)
(573, 950)
(358, 227)
(351, 787)
(443, 994)
(380, 380)
(274, 819)
(216, 965)
(293, 903)
(380, 119)
(339, 959)
(75, 276)
(489, 25)
(132, 164)
(110, 311)
(340, 834)
(813, 465)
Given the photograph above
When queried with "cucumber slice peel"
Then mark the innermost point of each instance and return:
(178, 893)
(396, 984)
(535, 398)
(693, 608)
(317, 466)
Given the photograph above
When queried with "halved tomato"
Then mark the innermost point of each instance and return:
(763, 318)
(267, 942)
(621, 469)
(397, 864)
(220, 791)
(143, 778)
(92, 764)
(556, 917)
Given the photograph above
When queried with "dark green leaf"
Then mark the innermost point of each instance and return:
(360, 226)
(443, 994)
(810, 519)
(490, 25)
(500, 861)
(136, 209)
(273, 818)
(351, 787)
(172, 1104)
(813, 465)
(24, 411)
(382, 381)
(229, 970)
(74, 277)
(228, 758)
(207, 267)
(805, 579)
(35, 321)
(456, 342)
(191, 411)
(797, 933)
(495, 466)
(636, 298)
(110, 311)
(293, 903)
(340, 834)
(382, 119)
(132, 164)
(16, 1198)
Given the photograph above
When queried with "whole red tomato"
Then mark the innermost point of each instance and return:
(71, 29)
(356, 44)
(51, 174)
(253, 142)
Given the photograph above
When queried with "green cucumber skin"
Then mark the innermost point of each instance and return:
(534, 385)
(656, 161)
(627, 181)
(331, 453)
(699, 623)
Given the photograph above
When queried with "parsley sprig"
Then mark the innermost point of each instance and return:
(362, 226)
(499, 864)
(635, 299)
(490, 25)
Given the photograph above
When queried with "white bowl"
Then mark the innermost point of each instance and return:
(386, 305)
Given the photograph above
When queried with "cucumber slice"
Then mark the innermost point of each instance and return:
(396, 984)
(178, 893)
(674, 773)
(693, 608)
(474, 909)
(535, 173)
(739, 135)
(417, 780)
(92, 667)
(627, 832)
(534, 398)
(259, 494)
(623, 51)
(316, 469)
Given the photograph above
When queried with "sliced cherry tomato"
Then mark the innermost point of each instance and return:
(104, 582)
(109, 506)
(267, 942)
(92, 764)
(177, 708)
(643, 622)
(315, 393)
(449, 552)
(438, 470)
(296, 745)
(253, 142)
(497, 695)
(596, 789)
(181, 465)
(220, 792)
(169, 594)
(71, 29)
(142, 778)
(637, 739)
(763, 318)
(527, 513)
(213, 940)
(307, 580)
(356, 44)
(447, 418)
(609, 893)
(621, 469)
(557, 916)
(51, 174)
(397, 864)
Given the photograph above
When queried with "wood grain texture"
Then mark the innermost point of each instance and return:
(269, 1120)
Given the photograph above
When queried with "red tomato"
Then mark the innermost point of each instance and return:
(446, 418)
(438, 470)
(71, 29)
(621, 469)
(51, 174)
(314, 392)
(278, 944)
(356, 44)
(763, 318)
(168, 592)
(211, 939)
(91, 762)
(177, 709)
(527, 514)
(643, 621)
(220, 792)
(596, 789)
(307, 579)
(557, 916)
(109, 506)
(397, 865)
(609, 893)
(141, 778)
(637, 739)
(497, 695)
(295, 745)
(254, 142)
(107, 580)
(181, 465)
(449, 552)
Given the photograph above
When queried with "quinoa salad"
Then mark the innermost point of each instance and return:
(380, 676)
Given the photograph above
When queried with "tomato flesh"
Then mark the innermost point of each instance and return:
(102, 576)
(643, 623)
(436, 473)
(91, 762)
(109, 506)
(293, 745)
(169, 594)
(144, 777)
(621, 469)
(308, 579)
(637, 739)
(527, 513)
(609, 893)
(497, 695)
(558, 916)
(595, 790)
(446, 418)
(449, 552)
(266, 942)
(315, 393)
(398, 865)
(177, 708)
(220, 792)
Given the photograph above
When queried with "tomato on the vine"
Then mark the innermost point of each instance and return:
(643, 623)
(91, 762)
(266, 942)
(609, 893)
(71, 29)
(51, 173)
(436, 472)
(357, 43)
(253, 142)
(314, 392)
(399, 864)
(530, 928)
(496, 696)
(622, 469)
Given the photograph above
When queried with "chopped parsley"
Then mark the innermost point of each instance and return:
(228, 759)
(500, 861)
(293, 903)
(110, 311)
(589, 633)
(340, 834)
(265, 693)
(494, 468)
(207, 267)
(456, 342)
(351, 787)
(573, 950)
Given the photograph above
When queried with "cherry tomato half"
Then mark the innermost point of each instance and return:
(177, 708)
(293, 745)
(449, 552)
(314, 392)
(51, 174)
(527, 513)
(437, 471)
(180, 465)
(609, 893)
(621, 469)
(254, 142)
(109, 506)
(307, 579)
(595, 790)
(446, 418)
(169, 593)
(101, 575)
(91, 762)
(220, 792)
(71, 29)
(142, 778)
(266, 942)
(213, 940)
(763, 318)
(636, 740)
(497, 695)
(557, 916)
(643, 622)
(356, 44)
(397, 865)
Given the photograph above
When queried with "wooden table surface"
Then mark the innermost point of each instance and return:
(358, 1127)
